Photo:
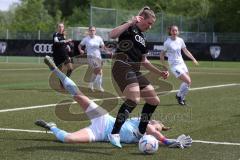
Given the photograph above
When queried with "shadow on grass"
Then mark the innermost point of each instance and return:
(168, 105)
(91, 148)
(32, 89)
(150, 154)
(78, 148)
(237, 115)
(36, 140)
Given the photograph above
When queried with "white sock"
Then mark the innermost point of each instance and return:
(93, 78)
(92, 105)
(93, 111)
(59, 74)
(98, 80)
(60, 134)
(183, 90)
(68, 84)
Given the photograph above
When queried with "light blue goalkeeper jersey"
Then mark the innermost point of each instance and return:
(127, 130)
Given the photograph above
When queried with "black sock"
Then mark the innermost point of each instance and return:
(146, 114)
(60, 82)
(69, 72)
(123, 113)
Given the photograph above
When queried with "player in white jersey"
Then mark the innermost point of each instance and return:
(102, 123)
(172, 49)
(93, 43)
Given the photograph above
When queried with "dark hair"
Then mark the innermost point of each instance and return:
(91, 27)
(170, 28)
(146, 13)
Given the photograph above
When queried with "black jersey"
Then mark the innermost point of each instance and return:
(132, 42)
(59, 46)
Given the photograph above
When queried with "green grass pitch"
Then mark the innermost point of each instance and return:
(212, 114)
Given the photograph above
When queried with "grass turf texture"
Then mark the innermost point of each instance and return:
(212, 115)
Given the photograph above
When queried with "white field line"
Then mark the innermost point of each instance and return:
(217, 73)
(23, 69)
(33, 107)
(49, 132)
(210, 87)
(192, 72)
(111, 98)
(23, 130)
(211, 142)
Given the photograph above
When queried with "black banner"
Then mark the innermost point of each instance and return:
(28, 47)
(201, 51)
(204, 51)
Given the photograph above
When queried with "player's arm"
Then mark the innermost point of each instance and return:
(158, 135)
(189, 55)
(181, 142)
(162, 55)
(116, 32)
(56, 40)
(106, 49)
(149, 66)
(81, 51)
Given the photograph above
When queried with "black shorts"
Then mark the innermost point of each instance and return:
(60, 59)
(124, 74)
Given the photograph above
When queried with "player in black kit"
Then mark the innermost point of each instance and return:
(130, 55)
(61, 48)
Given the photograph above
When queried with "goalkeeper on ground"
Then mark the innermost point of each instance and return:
(102, 123)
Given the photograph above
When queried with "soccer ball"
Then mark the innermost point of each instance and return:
(148, 144)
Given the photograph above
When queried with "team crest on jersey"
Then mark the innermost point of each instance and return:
(140, 39)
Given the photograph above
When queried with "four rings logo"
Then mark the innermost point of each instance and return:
(42, 48)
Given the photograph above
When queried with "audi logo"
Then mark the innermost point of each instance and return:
(42, 48)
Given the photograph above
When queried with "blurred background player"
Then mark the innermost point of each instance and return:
(93, 43)
(172, 49)
(61, 50)
(102, 122)
(130, 55)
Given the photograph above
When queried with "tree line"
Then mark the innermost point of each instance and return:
(33, 15)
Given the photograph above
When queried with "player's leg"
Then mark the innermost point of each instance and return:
(95, 113)
(91, 65)
(184, 88)
(69, 67)
(96, 64)
(181, 72)
(51, 126)
(59, 62)
(98, 81)
(81, 136)
(100, 75)
(151, 103)
(68, 84)
(97, 131)
(132, 94)
(128, 84)
(90, 107)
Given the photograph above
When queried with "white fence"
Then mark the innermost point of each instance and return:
(77, 33)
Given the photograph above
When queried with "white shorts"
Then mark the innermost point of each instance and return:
(94, 62)
(179, 69)
(97, 128)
